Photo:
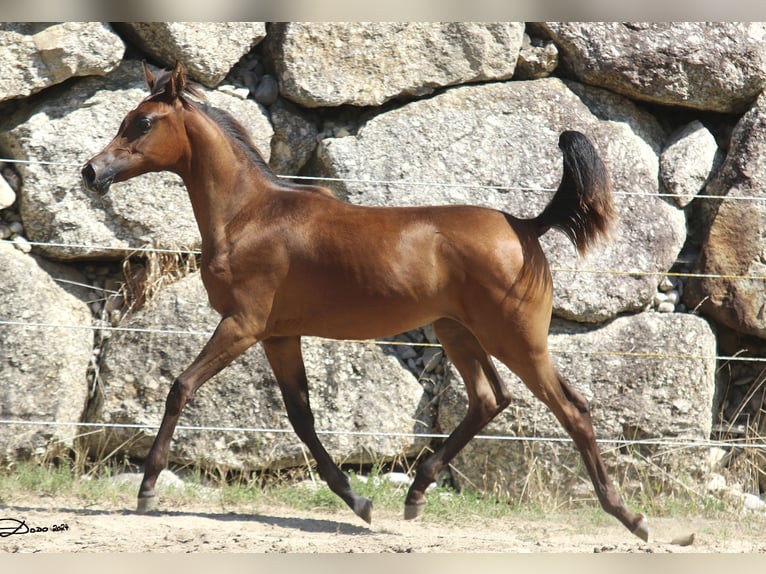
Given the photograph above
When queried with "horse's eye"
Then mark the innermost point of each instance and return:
(143, 124)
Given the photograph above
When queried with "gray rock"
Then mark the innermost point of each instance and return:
(687, 161)
(504, 136)
(267, 91)
(714, 66)
(7, 195)
(663, 388)
(79, 122)
(42, 369)
(344, 380)
(537, 59)
(34, 56)
(294, 141)
(735, 245)
(207, 49)
(366, 64)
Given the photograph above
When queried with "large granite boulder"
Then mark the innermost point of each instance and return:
(34, 56)
(45, 349)
(732, 262)
(712, 66)
(367, 64)
(207, 49)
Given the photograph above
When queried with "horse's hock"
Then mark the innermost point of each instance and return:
(475, 134)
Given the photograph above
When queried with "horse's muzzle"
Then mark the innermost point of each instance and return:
(92, 181)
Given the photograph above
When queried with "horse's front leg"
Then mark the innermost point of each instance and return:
(228, 342)
(286, 360)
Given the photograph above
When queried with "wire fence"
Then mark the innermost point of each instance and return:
(103, 327)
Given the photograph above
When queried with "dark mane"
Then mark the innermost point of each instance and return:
(239, 134)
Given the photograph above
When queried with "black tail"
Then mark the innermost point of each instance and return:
(582, 206)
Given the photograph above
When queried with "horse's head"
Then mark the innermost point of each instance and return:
(150, 138)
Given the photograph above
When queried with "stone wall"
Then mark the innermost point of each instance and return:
(393, 114)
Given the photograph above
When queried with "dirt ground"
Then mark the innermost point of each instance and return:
(60, 526)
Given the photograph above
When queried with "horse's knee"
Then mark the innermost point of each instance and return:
(178, 396)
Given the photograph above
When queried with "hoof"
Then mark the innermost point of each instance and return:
(642, 529)
(412, 511)
(147, 505)
(363, 509)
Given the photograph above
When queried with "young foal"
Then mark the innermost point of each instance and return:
(280, 261)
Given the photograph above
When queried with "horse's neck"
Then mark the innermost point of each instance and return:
(218, 178)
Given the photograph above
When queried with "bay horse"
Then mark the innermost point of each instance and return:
(282, 260)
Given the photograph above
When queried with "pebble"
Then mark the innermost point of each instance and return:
(667, 299)
(5, 231)
(21, 244)
(267, 91)
(431, 358)
(398, 478)
(666, 307)
(342, 132)
(667, 284)
(7, 195)
(716, 483)
(406, 352)
(753, 502)
(241, 93)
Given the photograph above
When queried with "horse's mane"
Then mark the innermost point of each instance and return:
(228, 123)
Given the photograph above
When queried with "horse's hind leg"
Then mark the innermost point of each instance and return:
(286, 360)
(487, 396)
(572, 411)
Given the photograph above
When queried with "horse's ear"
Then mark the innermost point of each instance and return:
(149, 76)
(177, 81)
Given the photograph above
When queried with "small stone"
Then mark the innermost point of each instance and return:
(7, 195)
(667, 284)
(21, 244)
(430, 335)
(267, 91)
(753, 502)
(666, 307)
(673, 297)
(716, 483)
(5, 231)
(431, 358)
(16, 227)
(398, 478)
(241, 93)
(406, 352)
(342, 133)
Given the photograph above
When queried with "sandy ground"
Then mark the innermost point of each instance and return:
(60, 526)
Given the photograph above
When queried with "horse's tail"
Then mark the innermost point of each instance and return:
(582, 206)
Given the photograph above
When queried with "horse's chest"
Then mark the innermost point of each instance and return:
(217, 279)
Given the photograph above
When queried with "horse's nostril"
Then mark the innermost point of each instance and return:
(88, 174)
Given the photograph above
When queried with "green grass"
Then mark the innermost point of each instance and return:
(445, 505)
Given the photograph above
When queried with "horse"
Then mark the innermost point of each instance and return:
(282, 260)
